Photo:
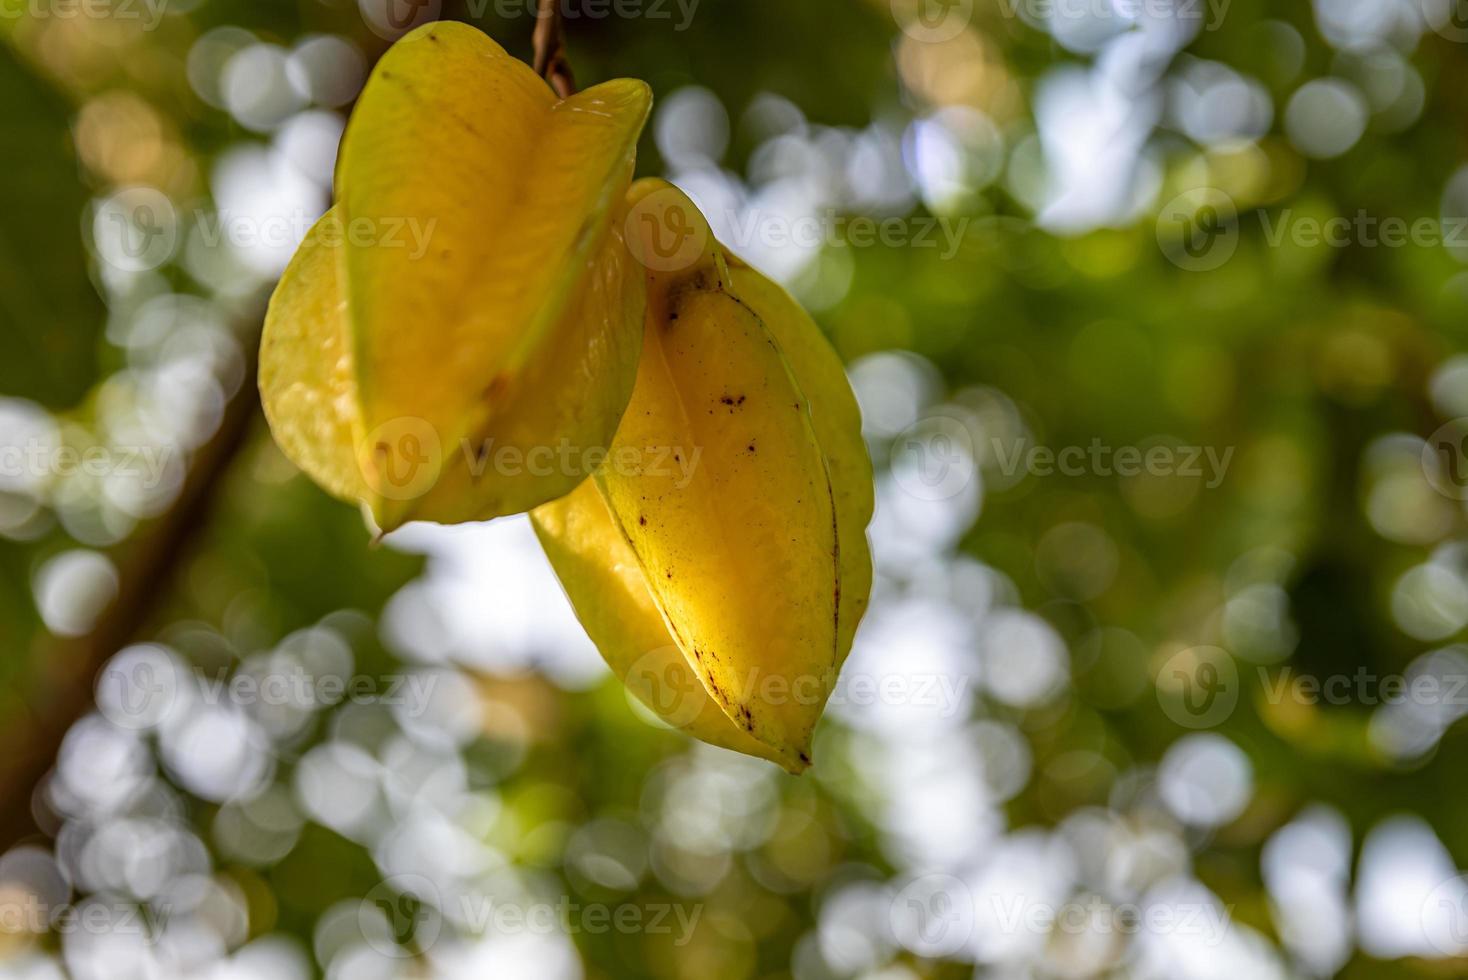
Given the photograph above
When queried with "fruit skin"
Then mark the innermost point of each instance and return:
(756, 569)
(308, 387)
(836, 419)
(609, 591)
(465, 372)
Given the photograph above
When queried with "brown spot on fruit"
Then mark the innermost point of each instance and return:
(496, 387)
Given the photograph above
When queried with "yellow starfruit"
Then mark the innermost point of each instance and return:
(480, 365)
(719, 558)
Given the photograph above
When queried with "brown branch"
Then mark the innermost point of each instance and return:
(147, 564)
(550, 48)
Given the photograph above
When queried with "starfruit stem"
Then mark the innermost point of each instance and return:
(550, 49)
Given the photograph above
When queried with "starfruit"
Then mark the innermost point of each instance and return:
(483, 373)
(719, 558)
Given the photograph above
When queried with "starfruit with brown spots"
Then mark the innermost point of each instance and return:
(719, 557)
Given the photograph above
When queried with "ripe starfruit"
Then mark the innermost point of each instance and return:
(479, 366)
(718, 558)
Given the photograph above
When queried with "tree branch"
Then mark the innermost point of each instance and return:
(147, 565)
(550, 48)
